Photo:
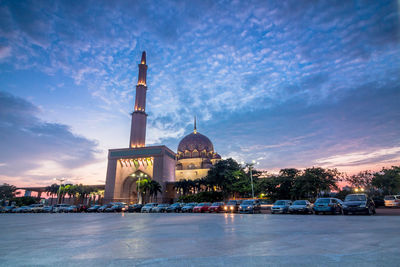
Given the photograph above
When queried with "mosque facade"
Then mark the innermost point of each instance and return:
(127, 166)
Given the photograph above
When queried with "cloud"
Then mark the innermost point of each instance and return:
(34, 148)
(380, 156)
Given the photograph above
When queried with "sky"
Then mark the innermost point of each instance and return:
(289, 84)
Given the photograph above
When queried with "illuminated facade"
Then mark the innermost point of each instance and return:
(195, 156)
(126, 166)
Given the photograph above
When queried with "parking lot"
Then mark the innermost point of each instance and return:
(128, 239)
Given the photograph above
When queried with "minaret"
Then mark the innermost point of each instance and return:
(139, 116)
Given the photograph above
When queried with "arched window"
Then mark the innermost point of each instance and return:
(195, 154)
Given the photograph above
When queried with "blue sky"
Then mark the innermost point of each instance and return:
(286, 83)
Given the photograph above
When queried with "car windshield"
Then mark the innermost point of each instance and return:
(280, 202)
(300, 202)
(248, 202)
(323, 200)
(355, 198)
(163, 205)
(232, 202)
(217, 204)
(175, 205)
(201, 204)
(389, 197)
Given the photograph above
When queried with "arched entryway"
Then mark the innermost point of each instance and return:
(129, 186)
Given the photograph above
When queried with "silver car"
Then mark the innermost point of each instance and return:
(147, 208)
(301, 206)
(281, 206)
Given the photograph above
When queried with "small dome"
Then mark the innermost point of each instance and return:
(195, 141)
(216, 156)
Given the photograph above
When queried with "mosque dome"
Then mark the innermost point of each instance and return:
(195, 141)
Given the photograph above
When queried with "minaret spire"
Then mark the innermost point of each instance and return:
(139, 116)
(195, 128)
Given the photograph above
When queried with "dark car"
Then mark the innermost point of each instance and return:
(8, 209)
(188, 207)
(104, 207)
(217, 207)
(301, 206)
(232, 206)
(176, 207)
(358, 203)
(117, 207)
(328, 205)
(281, 206)
(135, 208)
(93, 208)
(250, 206)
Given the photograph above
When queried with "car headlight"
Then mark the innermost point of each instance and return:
(231, 208)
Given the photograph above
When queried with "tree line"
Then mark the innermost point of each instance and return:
(231, 179)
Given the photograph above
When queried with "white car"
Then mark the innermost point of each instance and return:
(392, 201)
(36, 208)
(147, 208)
(60, 207)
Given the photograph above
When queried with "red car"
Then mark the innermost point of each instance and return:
(202, 207)
(217, 207)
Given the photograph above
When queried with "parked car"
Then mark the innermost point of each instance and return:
(104, 207)
(8, 209)
(36, 207)
(176, 207)
(232, 206)
(328, 205)
(70, 209)
(202, 207)
(217, 207)
(250, 206)
(358, 203)
(60, 207)
(135, 208)
(266, 204)
(188, 207)
(160, 208)
(281, 206)
(82, 208)
(118, 207)
(379, 201)
(301, 206)
(392, 201)
(47, 209)
(93, 208)
(23, 209)
(147, 208)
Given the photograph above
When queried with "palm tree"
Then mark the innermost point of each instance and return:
(52, 190)
(154, 188)
(143, 186)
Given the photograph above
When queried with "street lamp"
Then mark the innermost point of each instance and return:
(61, 180)
(250, 166)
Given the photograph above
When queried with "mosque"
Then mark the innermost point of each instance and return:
(127, 166)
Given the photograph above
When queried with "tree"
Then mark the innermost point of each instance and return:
(388, 180)
(7, 191)
(361, 180)
(154, 189)
(52, 190)
(315, 180)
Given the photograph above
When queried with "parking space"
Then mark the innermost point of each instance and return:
(176, 239)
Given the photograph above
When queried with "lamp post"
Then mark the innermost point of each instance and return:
(61, 180)
(250, 166)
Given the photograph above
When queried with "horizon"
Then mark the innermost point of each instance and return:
(290, 85)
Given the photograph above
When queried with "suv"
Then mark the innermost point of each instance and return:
(147, 208)
(355, 203)
(392, 201)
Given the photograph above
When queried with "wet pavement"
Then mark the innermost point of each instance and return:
(198, 240)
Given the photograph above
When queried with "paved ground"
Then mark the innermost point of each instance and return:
(198, 240)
